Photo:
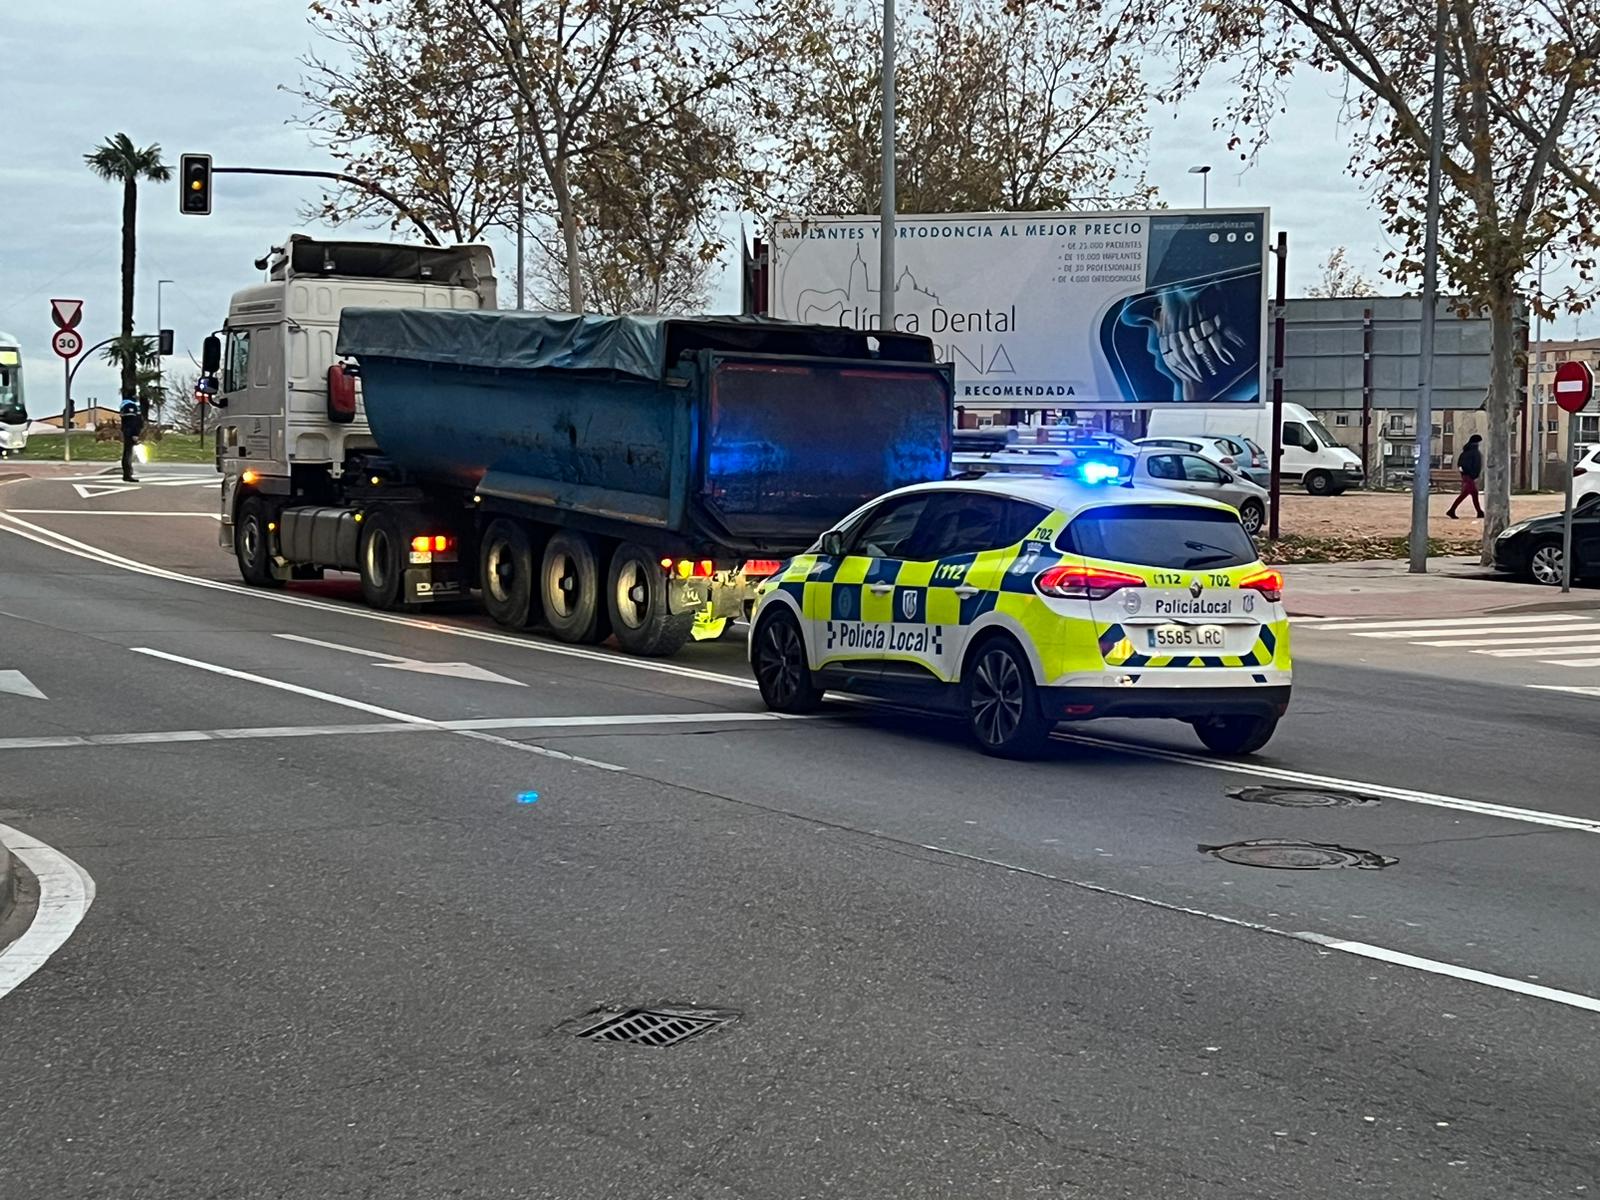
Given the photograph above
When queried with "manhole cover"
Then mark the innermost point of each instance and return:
(1299, 797)
(655, 1026)
(1281, 854)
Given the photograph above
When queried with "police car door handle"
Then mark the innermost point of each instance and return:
(965, 592)
(881, 589)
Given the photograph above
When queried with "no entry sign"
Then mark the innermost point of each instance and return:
(1574, 386)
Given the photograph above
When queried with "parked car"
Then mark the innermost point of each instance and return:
(1233, 453)
(1311, 455)
(1586, 474)
(1182, 471)
(1531, 549)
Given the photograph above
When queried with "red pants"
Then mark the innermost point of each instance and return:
(1469, 487)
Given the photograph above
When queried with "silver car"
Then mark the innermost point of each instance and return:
(1238, 454)
(1183, 471)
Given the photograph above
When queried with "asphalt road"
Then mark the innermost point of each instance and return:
(336, 953)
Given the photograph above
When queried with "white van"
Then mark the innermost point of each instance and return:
(1311, 455)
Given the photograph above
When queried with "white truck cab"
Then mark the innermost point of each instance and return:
(1311, 455)
(277, 348)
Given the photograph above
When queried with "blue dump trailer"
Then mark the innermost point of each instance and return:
(603, 476)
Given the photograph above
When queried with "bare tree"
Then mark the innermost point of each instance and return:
(1340, 278)
(1521, 163)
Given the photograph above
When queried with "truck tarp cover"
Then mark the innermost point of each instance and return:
(641, 347)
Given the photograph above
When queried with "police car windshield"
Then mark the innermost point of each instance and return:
(1159, 535)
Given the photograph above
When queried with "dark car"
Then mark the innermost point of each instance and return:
(1531, 549)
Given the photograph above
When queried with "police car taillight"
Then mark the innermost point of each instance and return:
(1084, 583)
(760, 568)
(1269, 583)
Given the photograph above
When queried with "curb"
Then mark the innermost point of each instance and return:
(8, 884)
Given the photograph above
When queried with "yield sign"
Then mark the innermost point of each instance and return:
(66, 313)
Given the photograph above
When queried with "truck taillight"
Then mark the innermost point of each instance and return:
(342, 393)
(423, 543)
(689, 568)
(1084, 583)
(1269, 583)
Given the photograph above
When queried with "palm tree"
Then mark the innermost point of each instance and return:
(118, 160)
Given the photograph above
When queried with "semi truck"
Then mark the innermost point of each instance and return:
(594, 476)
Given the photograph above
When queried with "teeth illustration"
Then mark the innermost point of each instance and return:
(1190, 333)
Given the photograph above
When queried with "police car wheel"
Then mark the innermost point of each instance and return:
(1236, 735)
(783, 672)
(251, 543)
(1002, 702)
(636, 597)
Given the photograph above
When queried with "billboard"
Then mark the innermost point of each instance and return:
(1052, 310)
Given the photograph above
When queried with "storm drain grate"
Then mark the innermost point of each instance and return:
(1299, 797)
(1280, 854)
(654, 1026)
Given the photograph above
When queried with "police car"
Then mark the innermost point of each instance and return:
(1020, 602)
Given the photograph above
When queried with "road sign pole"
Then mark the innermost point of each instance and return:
(1566, 521)
(66, 411)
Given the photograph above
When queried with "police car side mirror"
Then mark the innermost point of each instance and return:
(833, 544)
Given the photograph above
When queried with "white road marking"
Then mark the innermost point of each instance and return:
(92, 491)
(15, 683)
(1583, 647)
(1529, 626)
(1481, 808)
(473, 724)
(1566, 638)
(1324, 941)
(1337, 624)
(395, 662)
(216, 669)
(65, 893)
(1573, 662)
(110, 512)
(545, 751)
(1284, 775)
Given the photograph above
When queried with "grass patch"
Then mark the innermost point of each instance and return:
(1295, 549)
(174, 448)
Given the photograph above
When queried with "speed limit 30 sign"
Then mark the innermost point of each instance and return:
(68, 343)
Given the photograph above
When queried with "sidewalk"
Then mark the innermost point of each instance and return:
(1454, 586)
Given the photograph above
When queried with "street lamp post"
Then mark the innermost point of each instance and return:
(886, 275)
(1204, 171)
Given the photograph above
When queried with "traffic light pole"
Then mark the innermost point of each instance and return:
(364, 184)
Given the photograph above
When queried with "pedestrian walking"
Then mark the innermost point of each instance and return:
(132, 427)
(1470, 463)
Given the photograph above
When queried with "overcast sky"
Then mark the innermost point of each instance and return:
(207, 76)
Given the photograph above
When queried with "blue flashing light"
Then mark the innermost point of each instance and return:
(1093, 472)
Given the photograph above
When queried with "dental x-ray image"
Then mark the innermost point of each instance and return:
(1194, 335)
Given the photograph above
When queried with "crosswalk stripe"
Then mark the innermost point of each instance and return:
(1576, 662)
(1588, 627)
(1535, 651)
(1469, 643)
(1442, 623)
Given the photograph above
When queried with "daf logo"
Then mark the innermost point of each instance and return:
(908, 605)
(1195, 589)
(1130, 601)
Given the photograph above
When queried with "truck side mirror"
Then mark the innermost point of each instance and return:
(211, 355)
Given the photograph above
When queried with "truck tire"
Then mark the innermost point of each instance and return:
(1318, 483)
(252, 544)
(383, 561)
(507, 569)
(636, 601)
(569, 588)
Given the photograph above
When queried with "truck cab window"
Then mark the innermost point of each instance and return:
(236, 367)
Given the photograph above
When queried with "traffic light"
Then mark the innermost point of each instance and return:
(164, 342)
(194, 178)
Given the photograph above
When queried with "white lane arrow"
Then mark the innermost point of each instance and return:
(15, 683)
(89, 491)
(454, 670)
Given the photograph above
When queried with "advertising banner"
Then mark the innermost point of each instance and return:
(1052, 310)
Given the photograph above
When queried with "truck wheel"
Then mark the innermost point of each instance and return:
(507, 569)
(569, 588)
(1318, 483)
(252, 544)
(636, 600)
(382, 564)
